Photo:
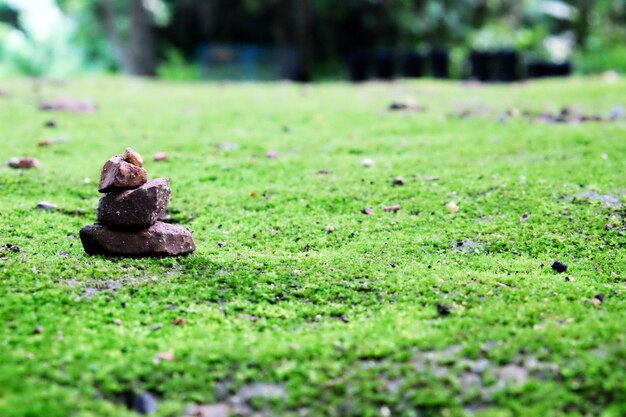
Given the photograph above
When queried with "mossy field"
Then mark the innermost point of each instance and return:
(420, 311)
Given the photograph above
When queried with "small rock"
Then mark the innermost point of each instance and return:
(617, 113)
(52, 141)
(398, 181)
(160, 156)
(163, 356)
(50, 123)
(407, 104)
(569, 278)
(597, 299)
(38, 330)
(132, 157)
(44, 205)
(367, 162)
(513, 374)
(559, 266)
(452, 207)
(392, 209)
(221, 244)
(138, 208)
(443, 309)
(69, 105)
(369, 211)
(272, 154)
(211, 410)
(161, 239)
(179, 321)
(144, 403)
(118, 175)
(24, 162)
(330, 229)
(524, 218)
(397, 106)
(64, 253)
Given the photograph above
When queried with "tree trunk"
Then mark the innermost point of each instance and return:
(583, 21)
(136, 55)
(141, 48)
(109, 19)
(303, 40)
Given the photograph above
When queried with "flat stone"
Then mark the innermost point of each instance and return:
(118, 175)
(161, 239)
(138, 208)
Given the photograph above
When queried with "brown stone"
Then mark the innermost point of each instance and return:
(132, 157)
(160, 156)
(118, 175)
(24, 162)
(138, 208)
(161, 239)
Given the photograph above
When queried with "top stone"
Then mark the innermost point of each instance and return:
(132, 157)
(118, 175)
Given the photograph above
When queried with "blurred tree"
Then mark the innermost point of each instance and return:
(127, 25)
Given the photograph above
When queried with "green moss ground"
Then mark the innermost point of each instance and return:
(385, 273)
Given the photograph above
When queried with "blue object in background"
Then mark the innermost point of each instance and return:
(247, 62)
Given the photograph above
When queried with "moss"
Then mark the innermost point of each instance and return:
(346, 321)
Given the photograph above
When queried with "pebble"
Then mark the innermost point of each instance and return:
(144, 403)
(559, 266)
(398, 181)
(44, 205)
(132, 157)
(160, 156)
(443, 309)
(118, 174)
(367, 162)
(210, 410)
(392, 209)
(452, 207)
(369, 211)
(24, 162)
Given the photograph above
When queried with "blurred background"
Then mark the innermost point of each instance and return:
(313, 40)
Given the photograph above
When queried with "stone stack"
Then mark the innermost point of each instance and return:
(130, 214)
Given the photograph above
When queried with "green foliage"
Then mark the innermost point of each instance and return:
(176, 68)
(599, 60)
